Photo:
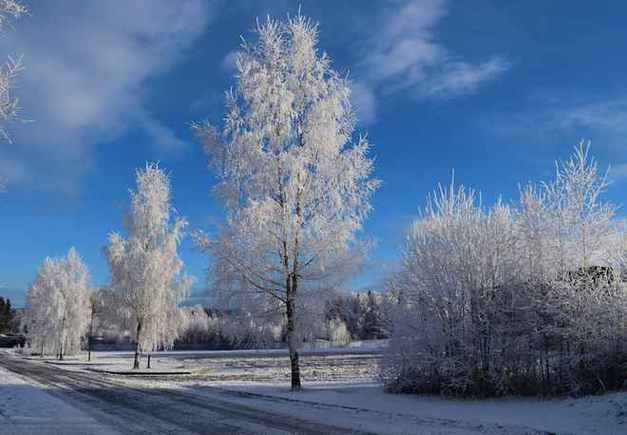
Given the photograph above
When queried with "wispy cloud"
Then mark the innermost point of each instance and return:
(87, 64)
(364, 101)
(599, 119)
(228, 62)
(405, 55)
(609, 115)
(547, 122)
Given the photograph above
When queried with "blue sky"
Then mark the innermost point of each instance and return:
(494, 90)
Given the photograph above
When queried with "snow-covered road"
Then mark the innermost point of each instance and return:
(26, 408)
(49, 397)
(92, 403)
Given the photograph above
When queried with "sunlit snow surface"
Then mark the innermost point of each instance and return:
(342, 389)
(26, 408)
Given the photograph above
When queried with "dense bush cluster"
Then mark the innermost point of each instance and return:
(526, 299)
(366, 316)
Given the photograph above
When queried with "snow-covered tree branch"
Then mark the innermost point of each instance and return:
(9, 104)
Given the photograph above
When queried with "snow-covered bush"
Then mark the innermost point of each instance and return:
(196, 325)
(243, 330)
(497, 300)
(338, 333)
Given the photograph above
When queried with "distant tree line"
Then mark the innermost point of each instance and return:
(345, 317)
(365, 315)
(7, 316)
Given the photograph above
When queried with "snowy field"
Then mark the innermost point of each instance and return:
(268, 366)
(341, 388)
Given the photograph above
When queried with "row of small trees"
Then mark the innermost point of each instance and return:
(146, 288)
(513, 299)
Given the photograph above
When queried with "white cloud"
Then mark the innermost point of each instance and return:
(86, 66)
(228, 63)
(459, 78)
(600, 120)
(363, 100)
(545, 123)
(404, 55)
(610, 115)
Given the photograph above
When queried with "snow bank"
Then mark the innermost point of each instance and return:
(590, 415)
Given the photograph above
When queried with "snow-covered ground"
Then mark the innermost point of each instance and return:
(590, 415)
(26, 408)
(342, 389)
(270, 366)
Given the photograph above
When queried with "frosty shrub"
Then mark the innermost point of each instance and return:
(338, 333)
(512, 300)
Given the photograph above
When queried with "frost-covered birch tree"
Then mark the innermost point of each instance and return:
(145, 267)
(295, 182)
(42, 302)
(58, 305)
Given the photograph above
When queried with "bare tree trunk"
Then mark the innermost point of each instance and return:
(62, 339)
(292, 337)
(136, 361)
(91, 334)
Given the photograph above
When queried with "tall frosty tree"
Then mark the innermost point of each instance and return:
(41, 302)
(145, 268)
(57, 305)
(295, 183)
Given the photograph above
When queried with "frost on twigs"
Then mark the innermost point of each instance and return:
(295, 181)
(9, 72)
(507, 299)
(10, 10)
